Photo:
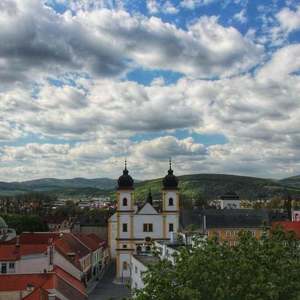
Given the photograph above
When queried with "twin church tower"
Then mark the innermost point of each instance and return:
(132, 228)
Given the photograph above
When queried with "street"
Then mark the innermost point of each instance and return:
(107, 290)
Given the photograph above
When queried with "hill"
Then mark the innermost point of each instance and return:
(69, 187)
(291, 181)
(212, 186)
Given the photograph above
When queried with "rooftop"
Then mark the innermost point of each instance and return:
(146, 260)
(230, 218)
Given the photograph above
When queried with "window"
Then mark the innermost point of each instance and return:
(171, 227)
(124, 265)
(3, 268)
(11, 265)
(124, 227)
(148, 248)
(138, 249)
(148, 227)
(124, 201)
(125, 246)
(171, 202)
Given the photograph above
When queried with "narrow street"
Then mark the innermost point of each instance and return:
(107, 290)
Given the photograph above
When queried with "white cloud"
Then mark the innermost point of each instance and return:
(241, 16)
(192, 4)
(289, 19)
(38, 42)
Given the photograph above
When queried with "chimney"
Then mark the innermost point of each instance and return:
(204, 224)
(18, 241)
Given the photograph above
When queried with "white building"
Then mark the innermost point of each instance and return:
(166, 249)
(230, 201)
(133, 229)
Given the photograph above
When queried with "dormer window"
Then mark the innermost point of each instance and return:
(124, 201)
(171, 202)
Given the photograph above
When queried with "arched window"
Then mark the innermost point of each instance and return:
(124, 201)
(124, 265)
(171, 202)
(148, 248)
(139, 249)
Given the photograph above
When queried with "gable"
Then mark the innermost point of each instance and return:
(147, 209)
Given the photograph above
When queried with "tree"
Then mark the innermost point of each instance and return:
(266, 269)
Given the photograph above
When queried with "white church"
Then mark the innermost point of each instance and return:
(133, 229)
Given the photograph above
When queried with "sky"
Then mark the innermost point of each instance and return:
(84, 84)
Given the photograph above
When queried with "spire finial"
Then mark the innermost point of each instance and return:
(170, 163)
(125, 163)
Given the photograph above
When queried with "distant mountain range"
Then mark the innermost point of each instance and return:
(208, 185)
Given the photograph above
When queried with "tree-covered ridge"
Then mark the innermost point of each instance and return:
(209, 186)
(266, 269)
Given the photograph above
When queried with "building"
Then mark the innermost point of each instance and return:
(225, 224)
(84, 257)
(55, 285)
(132, 229)
(288, 226)
(92, 224)
(6, 234)
(230, 200)
(165, 249)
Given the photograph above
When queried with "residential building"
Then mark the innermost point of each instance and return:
(54, 285)
(230, 200)
(225, 224)
(132, 229)
(83, 257)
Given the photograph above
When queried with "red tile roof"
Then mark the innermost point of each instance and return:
(14, 282)
(90, 241)
(288, 226)
(58, 279)
(13, 253)
(9, 253)
(69, 278)
(38, 237)
(67, 245)
(37, 294)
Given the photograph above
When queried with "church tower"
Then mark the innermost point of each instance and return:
(124, 214)
(170, 203)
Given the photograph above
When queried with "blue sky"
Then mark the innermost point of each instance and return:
(86, 83)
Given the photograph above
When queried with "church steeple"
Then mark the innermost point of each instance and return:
(170, 181)
(149, 197)
(125, 181)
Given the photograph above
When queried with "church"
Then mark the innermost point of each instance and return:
(133, 228)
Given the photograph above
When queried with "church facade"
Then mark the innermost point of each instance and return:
(133, 228)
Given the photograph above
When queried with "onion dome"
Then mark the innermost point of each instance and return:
(170, 181)
(125, 181)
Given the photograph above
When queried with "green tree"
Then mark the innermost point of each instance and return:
(266, 269)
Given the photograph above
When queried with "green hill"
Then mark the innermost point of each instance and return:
(209, 186)
(291, 181)
(212, 186)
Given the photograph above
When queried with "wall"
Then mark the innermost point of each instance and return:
(157, 222)
(137, 272)
(63, 263)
